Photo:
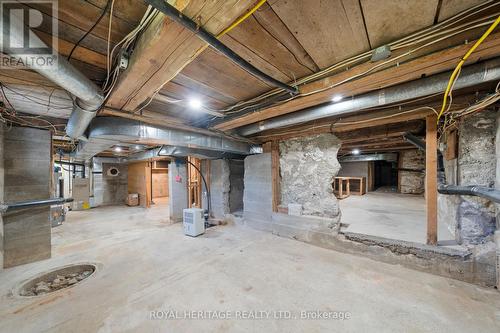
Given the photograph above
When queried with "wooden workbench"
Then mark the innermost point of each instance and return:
(342, 186)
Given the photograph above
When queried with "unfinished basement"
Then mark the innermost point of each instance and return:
(249, 166)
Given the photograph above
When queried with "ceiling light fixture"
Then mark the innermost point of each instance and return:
(195, 104)
(355, 152)
(337, 98)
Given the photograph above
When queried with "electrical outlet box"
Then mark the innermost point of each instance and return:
(380, 53)
(123, 61)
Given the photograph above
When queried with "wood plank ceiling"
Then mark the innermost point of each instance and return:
(287, 39)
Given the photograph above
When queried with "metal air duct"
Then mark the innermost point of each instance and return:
(470, 76)
(89, 97)
(105, 132)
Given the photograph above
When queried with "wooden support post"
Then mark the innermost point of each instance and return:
(431, 178)
(275, 166)
(267, 147)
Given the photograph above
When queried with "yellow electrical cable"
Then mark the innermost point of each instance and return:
(241, 18)
(454, 75)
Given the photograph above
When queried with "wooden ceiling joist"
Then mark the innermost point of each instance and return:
(392, 74)
(166, 47)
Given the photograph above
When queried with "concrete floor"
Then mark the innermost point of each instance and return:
(146, 264)
(390, 215)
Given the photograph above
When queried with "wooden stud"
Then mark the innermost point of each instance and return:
(431, 178)
(266, 147)
(451, 146)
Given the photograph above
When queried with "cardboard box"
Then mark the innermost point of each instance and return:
(133, 199)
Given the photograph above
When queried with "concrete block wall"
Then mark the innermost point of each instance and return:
(178, 200)
(1, 193)
(109, 190)
(27, 173)
(257, 195)
(219, 187)
(237, 172)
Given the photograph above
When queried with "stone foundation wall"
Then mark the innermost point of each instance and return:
(412, 182)
(307, 168)
(472, 218)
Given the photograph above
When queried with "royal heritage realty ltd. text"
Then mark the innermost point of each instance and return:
(249, 315)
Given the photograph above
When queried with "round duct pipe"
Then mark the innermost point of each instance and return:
(470, 76)
(89, 97)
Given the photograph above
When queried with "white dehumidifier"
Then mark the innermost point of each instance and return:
(194, 223)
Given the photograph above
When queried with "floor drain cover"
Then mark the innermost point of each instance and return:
(56, 279)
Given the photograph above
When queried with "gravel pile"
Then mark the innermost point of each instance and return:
(59, 282)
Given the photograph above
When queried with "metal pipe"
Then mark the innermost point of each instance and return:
(443, 188)
(189, 24)
(35, 203)
(417, 142)
(478, 191)
(89, 96)
(470, 76)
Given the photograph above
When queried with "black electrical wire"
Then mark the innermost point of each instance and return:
(90, 30)
(210, 39)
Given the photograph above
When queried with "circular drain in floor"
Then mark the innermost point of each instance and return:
(56, 279)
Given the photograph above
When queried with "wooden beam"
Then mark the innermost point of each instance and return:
(431, 178)
(387, 75)
(164, 121)
(369, 118)
(166, 47)
(403, 146)
(374, 137)
(351, 123)
(377, 144)
(380, 132)
(275, 169)
(267, 147)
